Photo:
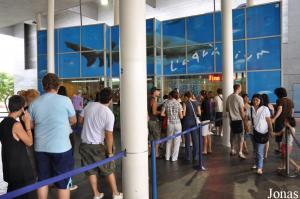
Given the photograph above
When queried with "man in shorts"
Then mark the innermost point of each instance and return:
(235, 108)
(52, 115)
(97, 141)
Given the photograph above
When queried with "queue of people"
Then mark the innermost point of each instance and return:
(258, 119)
(46, 122)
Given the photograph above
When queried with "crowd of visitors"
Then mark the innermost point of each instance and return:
(257, 119)
(51, 121)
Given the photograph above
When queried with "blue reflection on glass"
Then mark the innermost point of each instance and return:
(239, 60)
(200, 29)
(296, 97)
(40, 87)
(69, 65)
(174, 33)
(69, 39)
(42, 65)
(150, 61)
(264, 54)
(107, 35)
(263, 20)
(158, 62)
(174, 61)
(42, 42)
(200, 59)
(264, 82)
(107, 64)
(238, 24)
(92, 37)
(115, 64)
(158, 32)
(149, 31)
(115, 38)
(92, 64)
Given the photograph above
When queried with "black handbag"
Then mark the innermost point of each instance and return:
(260, 138)
(236, 126)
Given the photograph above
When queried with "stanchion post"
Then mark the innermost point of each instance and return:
(153, 164)
(287, 155)
(200, 165)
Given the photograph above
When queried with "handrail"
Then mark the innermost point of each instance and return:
(68, 174)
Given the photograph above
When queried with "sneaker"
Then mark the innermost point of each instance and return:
(254, 167)
(73, 187)
(241, 155)
(232, 152)
(120, 196)
(99, 197)
(259, 171)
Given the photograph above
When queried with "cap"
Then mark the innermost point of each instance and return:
(153, 89)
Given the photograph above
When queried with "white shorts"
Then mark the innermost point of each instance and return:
(205, 129)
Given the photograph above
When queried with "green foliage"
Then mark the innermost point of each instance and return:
(6, 86)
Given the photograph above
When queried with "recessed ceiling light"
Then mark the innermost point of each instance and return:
(104, 2)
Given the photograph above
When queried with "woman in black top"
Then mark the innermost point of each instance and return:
(205, 117)
(17, 170)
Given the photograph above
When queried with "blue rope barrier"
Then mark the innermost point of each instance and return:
(52, 180)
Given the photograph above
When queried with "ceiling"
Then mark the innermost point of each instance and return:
(17, 11)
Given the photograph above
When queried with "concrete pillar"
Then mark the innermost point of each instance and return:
(116, 12)
(38, 21)
(227, 63)
(50, 37)
(134, 109)
(250, 2)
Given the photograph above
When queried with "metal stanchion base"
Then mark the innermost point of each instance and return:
(290, 175)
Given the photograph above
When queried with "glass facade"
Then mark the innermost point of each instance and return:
(186, 50)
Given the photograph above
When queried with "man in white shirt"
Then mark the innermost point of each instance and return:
(97, 141)
(235, 107)
(219, 111)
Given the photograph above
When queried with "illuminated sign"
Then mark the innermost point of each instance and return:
(214, 78)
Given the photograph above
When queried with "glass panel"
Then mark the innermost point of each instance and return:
(42, 42)
(238, 25)
(92, 64)
(69, 39)
(150, 61)
(239, 60)
(115, 64)
(263, 20)
(296, 97)
(264, 82)
(107, 64)
(42, 66)
(149, 31)
(174, 61)
(40, 86)
(196, 83)
(115, 38)
(200, 29)
(107, 35)
(264, 54)
(174, 33)
(92, 37)
(69, 65)
(200, 59)
(158, 33)
(158, 62)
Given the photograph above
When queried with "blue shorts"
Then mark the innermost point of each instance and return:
(53, 164)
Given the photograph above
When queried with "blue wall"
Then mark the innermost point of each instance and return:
(187, 43)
